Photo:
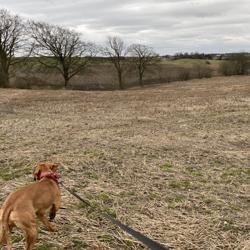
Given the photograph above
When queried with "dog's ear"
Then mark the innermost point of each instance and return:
(37, 172)
(54, 167)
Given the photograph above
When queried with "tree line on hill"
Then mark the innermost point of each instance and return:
(62, 49)
(204, 56)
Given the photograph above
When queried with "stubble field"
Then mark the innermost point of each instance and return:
(172, 161)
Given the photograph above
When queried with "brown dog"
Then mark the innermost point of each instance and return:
(21, 208)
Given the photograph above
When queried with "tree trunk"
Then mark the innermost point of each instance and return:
(66, 80)
(140, 80)
(4, 78)
(120, 80)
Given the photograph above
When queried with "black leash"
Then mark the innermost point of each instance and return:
(136, 234)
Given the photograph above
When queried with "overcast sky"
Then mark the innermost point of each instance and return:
(169, 26)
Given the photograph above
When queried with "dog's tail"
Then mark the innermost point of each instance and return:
(4, 227)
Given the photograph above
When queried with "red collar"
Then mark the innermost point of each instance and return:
(50, 175)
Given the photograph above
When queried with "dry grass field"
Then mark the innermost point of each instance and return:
(172, 161)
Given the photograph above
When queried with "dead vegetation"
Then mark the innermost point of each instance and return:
(172, 161)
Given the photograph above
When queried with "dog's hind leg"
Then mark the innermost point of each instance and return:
(31, 236)
(27, 223)
(2, 240)
(5, 232)
(30, 231)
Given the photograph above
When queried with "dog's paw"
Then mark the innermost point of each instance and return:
(52, 216)
(51, 219)
(52, 228)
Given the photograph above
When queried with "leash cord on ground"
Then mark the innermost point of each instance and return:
(136, 234)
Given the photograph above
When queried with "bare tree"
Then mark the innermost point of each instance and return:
(11, 43)
(142, 56)
(116, 50)
(61, 48)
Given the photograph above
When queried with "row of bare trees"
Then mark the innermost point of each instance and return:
(63, 49)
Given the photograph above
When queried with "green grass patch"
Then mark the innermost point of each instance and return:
(105, 238)
(92, 175)
(46, 246)
(154, 196)
(131, 193)
(166, 166)
(82, 205)
(128, 242)
(17, 238)
(6, 174)
(110, 212)
(195, 172)
(231, 176)
(247, 171)
(235, 208)
(179, 198)
(94, 154)
(79, 244)
(104, 196)
(12, 171)
(182, 184)
(228, 225)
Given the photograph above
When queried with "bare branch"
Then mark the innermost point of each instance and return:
(116, 51)
(142, 56)
(63, 45)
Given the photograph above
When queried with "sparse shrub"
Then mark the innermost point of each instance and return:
(184, 74)
(226, 68)
(202, 71)
(238, 64)
(21, 83)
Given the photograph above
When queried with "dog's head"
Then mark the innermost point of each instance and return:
(44, 167)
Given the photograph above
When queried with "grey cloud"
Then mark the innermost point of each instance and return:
(168, 25)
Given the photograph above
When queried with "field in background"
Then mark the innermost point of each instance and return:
(191, 61)
(172, 161)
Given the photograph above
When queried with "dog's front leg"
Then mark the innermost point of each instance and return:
(52, 213)
(45, 221)
(55, 207)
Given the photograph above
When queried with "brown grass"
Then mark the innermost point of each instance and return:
(172, 161)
